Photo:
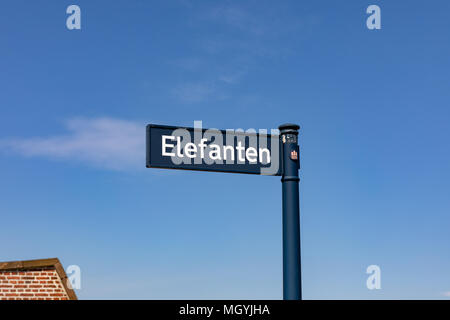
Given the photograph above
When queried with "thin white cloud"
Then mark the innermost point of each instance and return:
(101, 142)
(446, 294)
(239, 18)
(195, 92)
(264, 20)
(232, 78)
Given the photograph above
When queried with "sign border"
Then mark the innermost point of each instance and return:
(160, 126)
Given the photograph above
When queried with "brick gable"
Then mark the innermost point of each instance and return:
(34, 280)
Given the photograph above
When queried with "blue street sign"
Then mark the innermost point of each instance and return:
(213, 150)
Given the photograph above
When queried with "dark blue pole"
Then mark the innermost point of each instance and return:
(292, 288)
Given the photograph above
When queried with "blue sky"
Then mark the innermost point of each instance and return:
(372, 104)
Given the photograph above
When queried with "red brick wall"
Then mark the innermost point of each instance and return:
(33, 284)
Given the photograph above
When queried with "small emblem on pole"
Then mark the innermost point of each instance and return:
(294, 155)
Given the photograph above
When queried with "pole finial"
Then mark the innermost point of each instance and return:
(289, 128)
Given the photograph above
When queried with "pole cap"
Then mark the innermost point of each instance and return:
(289, 128)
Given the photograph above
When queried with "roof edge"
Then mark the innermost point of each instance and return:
(27, 264)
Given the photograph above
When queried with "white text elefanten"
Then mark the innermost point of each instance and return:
(173, 146)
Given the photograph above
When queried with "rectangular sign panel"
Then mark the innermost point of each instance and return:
(213, 150)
